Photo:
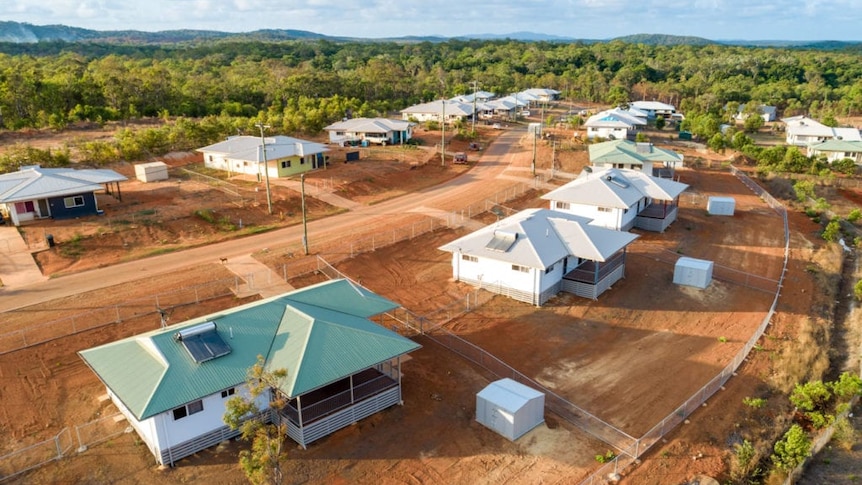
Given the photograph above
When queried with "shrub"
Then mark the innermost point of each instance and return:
(810, 396)
(832, 231)
(847, 385)
(607, 457)
(854, 215)
(857, 290)
(754, 402)
(792, 449)
(743, 462)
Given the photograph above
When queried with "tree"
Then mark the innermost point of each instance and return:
(716, 143)
(752, 123)
(792, 449)
(261, 464)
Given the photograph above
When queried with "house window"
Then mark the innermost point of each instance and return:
(467, 257)
(228, 392)
(211, 158)
(302, 161)
(188, 409)
(74, 201)
(522, 269)
(285, 164)
(605, 209)
(549, 269)
(563, 205)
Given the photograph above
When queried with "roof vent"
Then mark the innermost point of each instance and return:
(617, 182)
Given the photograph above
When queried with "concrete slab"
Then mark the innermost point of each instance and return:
(17, 266)
(257, 277)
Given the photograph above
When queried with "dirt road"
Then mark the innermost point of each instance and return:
(476, 185)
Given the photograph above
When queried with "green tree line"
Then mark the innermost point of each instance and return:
(303, 85)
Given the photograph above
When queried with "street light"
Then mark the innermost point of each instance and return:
(265, 167)
(304, 223)
(475, 88)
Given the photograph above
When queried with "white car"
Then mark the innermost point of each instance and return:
(497, 126)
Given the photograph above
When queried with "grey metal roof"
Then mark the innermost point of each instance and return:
(248, 148)
(369, 125)
(543, 238)
(32, 183)
(319, 334)
(596, 189)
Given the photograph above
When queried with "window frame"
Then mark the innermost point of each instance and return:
(187, 410)
(74, 201)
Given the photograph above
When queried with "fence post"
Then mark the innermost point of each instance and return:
(117, 309)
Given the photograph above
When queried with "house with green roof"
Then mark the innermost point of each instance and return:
(645, 157)
(837, 150)
(172, 384)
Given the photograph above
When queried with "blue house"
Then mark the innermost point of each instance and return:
(34, 192)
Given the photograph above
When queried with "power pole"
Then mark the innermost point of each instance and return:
(304, 223)
(443, 141)
(265, 167)
(475, 88)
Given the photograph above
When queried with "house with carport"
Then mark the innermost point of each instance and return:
(378, 131)
(280, 156)
(536, 253)
(34, 192)
(172, 384)
(642, 156)
(619, 199)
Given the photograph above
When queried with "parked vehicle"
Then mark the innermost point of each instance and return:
(460, 158)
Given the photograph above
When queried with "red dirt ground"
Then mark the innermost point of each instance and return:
(670, 339)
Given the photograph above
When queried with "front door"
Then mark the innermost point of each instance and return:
(43, 208)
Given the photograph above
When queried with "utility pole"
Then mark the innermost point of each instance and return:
(475, 88)
(265, 167)
(443, 141)
(304, 221)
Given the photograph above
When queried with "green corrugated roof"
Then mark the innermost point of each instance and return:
(319, 334)
(624, 151)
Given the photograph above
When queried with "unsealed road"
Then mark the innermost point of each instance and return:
(476, 185)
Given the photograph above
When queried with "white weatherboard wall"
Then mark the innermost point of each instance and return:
(614, 218)
(692, 272)
(510, 408)
(720, 206)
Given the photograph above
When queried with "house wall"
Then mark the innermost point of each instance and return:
(58, 209)
(604, 132)
(489, 273)
(617, 219)
(162, 431)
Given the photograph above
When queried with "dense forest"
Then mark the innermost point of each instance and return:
(302, 85)
(212, 88)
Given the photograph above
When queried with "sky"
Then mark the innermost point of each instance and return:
(809, 20)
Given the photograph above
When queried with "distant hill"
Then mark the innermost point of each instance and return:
(24, 33)
(663, 39)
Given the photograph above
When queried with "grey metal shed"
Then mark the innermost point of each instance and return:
(510, 408)
(720, 206)
(692, 272)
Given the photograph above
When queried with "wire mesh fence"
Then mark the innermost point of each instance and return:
(36, 455)
(101, 430)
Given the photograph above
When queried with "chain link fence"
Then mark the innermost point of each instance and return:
(36, 455)
(101, 430)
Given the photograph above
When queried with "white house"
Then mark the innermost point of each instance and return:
(836, 150)
(172, 384)
(284, 155)
(447, 110)
(642, 156)
(619, 199)
(381, 131)
(536, 253)
(539, 95)
(768, 113)
(478, 96)
(613, 124)
(804, 131)
(654, 108)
